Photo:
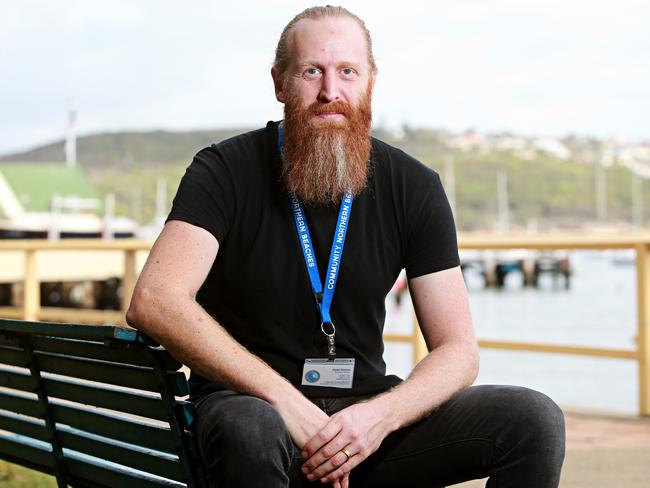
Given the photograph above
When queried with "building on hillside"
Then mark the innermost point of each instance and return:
(53, 200)
(553, 147)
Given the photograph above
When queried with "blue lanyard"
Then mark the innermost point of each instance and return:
(336, 253)
(324, 293)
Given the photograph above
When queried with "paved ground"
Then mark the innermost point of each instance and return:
(603, 451)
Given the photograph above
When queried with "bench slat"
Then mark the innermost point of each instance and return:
(122, 352)
(75, 331)
(10, 340)
(95, 350)
(20, 404)
(106, 476)
(20, 380)
(148, 405)
(142, 404)
(116, 427)
(100, 423)
(131, 377)
(155, 462)
(14, 357)
(15, 451)
(23, 425)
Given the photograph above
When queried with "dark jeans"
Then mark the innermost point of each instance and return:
(511, 434)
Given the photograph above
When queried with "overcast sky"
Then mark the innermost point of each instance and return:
(535, 67)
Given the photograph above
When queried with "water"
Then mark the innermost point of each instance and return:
(599, 309)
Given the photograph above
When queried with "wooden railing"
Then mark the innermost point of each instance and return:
(12, 252)
(640, 242)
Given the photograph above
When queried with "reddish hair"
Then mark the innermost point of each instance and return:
(283, 50)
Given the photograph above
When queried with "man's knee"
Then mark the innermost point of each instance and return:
(240, 427)
(530, 417)
(536, 413)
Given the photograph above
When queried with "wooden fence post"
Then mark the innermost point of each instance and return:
(643, 328)
(31, 287)
(419, 346)
(128, 280)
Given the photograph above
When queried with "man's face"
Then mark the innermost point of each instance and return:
(329, 63)
(326, 92)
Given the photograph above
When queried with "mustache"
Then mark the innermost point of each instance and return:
(318, 108)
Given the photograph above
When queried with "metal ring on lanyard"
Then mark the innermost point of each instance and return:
(322, 327)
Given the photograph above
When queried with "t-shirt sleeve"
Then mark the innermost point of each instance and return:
(205, 195)
(431, 234)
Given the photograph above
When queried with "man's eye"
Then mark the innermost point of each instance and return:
(312, 72)
(348, 72)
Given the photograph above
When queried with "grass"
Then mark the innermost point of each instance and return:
(13, 476)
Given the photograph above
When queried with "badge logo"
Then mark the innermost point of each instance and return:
(312, 376)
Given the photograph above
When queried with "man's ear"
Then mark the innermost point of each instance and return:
(278, 83)
(373, 78)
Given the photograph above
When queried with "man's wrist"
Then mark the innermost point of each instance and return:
(283, 393)
(388, 411)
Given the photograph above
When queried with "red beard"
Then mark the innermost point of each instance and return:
(322, 160)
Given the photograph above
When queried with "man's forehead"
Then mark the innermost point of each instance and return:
(328, 36)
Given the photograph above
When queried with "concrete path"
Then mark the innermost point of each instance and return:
(603, 451)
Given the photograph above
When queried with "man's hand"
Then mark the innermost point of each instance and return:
(359, 429)
(304, 420)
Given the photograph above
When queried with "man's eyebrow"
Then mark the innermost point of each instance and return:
(306, 64)
(318, 64)
(350, 64)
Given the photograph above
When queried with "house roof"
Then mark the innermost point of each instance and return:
(34, 184)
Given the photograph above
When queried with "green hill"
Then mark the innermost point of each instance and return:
(544, 192)
(127, 149)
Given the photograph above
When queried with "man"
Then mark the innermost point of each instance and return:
(269, 281)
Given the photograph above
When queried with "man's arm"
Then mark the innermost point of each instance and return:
(442, 309)
(164, 307)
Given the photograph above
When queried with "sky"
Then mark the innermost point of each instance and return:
(532, 67)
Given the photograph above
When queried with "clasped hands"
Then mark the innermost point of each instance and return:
(348, 438)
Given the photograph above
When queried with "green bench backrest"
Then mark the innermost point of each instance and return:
(96, 406)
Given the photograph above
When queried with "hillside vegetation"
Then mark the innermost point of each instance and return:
(545, 192)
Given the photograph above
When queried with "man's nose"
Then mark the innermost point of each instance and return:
(329, 89)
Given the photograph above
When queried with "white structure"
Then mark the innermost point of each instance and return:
(71, 134)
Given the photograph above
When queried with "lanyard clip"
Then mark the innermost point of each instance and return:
(331, 347)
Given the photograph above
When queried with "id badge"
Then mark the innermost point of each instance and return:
(333, 374)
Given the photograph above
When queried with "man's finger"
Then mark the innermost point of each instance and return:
(326, 452)
(325, 435)
(344, 469)
(334, 462)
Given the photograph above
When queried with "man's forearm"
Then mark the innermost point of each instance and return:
(192, 336)
(444, 371)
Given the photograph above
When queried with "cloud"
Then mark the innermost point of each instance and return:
(543, 66)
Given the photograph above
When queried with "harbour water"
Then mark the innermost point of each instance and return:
(598, 309)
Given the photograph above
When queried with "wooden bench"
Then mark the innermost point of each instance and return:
(95, 406)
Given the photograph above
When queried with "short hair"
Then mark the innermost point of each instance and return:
(283, 50)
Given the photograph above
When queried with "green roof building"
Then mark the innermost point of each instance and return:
(31, 187)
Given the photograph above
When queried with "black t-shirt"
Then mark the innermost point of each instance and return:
(259, 288)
